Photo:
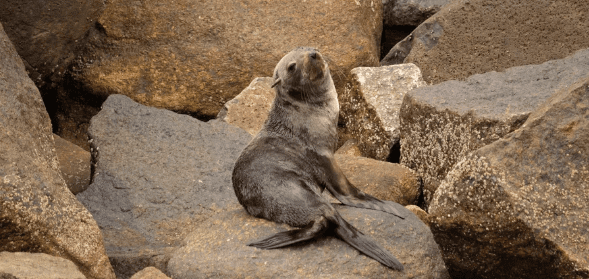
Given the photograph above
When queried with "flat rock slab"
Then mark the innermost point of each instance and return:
(37, 266)
(370, 106)
(440, 124)
(193, 56)
(74, 164)
(468, 37)
(38, 213)
(519, 207)
(157, 175)
(217, 249)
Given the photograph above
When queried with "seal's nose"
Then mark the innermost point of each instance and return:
(313, 54)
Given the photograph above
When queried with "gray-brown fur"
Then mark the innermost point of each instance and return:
(283, 171)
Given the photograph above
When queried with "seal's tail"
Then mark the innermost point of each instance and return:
(343, 229)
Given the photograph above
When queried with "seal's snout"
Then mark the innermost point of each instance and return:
(313, 54)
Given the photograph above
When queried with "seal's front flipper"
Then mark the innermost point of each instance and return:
(286, 238)
(339, 186)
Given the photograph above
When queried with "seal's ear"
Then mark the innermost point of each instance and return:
(276, 82)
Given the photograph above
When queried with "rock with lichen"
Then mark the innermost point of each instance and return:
(370, 106)
(520, 207)
(440, 124)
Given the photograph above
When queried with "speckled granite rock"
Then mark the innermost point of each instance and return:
(38, 213)
(519, 207)
(468, 37)
(370, 106)
(441, 124)
(158, 174)
(150, 272)
(216, 249)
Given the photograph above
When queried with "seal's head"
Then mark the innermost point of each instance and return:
(303, 75)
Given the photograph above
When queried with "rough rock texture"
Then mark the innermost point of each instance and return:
(193, 56)
(420, 213)
(157, 174)
(370, 106)
(386, 181)
(469, 37)
(37, 211)
(216, 249)
(249, 110)
(74, 164)
(37, 266)
(440, 124)
(410, 12)
(350, 147)
(150, 273)
(519, 208)
(46, 33)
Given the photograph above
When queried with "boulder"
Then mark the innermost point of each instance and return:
(249, 109)
(47, 33)
(37, 266)
(194, 56)
(468, 37)
(74, 164)
(157, 175)
(440, 124)
(38, 213)
(410, 12)
(150, 272)
(217, 249)
(370, 106)
(384, 180)
(519, 207)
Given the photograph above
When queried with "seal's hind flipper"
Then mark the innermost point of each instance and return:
(365, 244)
(344, 191)
(286, 238)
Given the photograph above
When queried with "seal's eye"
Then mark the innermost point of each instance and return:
(292, 66)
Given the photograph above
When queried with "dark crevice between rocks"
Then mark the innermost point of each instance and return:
(421, 198)
(391, 35)
(395, 153)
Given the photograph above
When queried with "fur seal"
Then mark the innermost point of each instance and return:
(281, 174)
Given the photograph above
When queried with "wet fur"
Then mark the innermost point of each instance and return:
(283, 171)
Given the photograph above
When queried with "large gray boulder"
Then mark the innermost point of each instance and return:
(468, 37)
(440, 124)
(217, 249)
(157, 175)
(38, 213)
(519, 207)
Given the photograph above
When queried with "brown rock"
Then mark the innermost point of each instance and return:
(193, 56)
(150, 272)
(386, 181)
(519, 207)
(350, 147)
(74, 164)
(410, 12)
(46, 33)
(469, 37)
(37, 266)
(440, 124)
(249, 110)
(370, 106)
(420, 213)
(217, 249)
(38, 213)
